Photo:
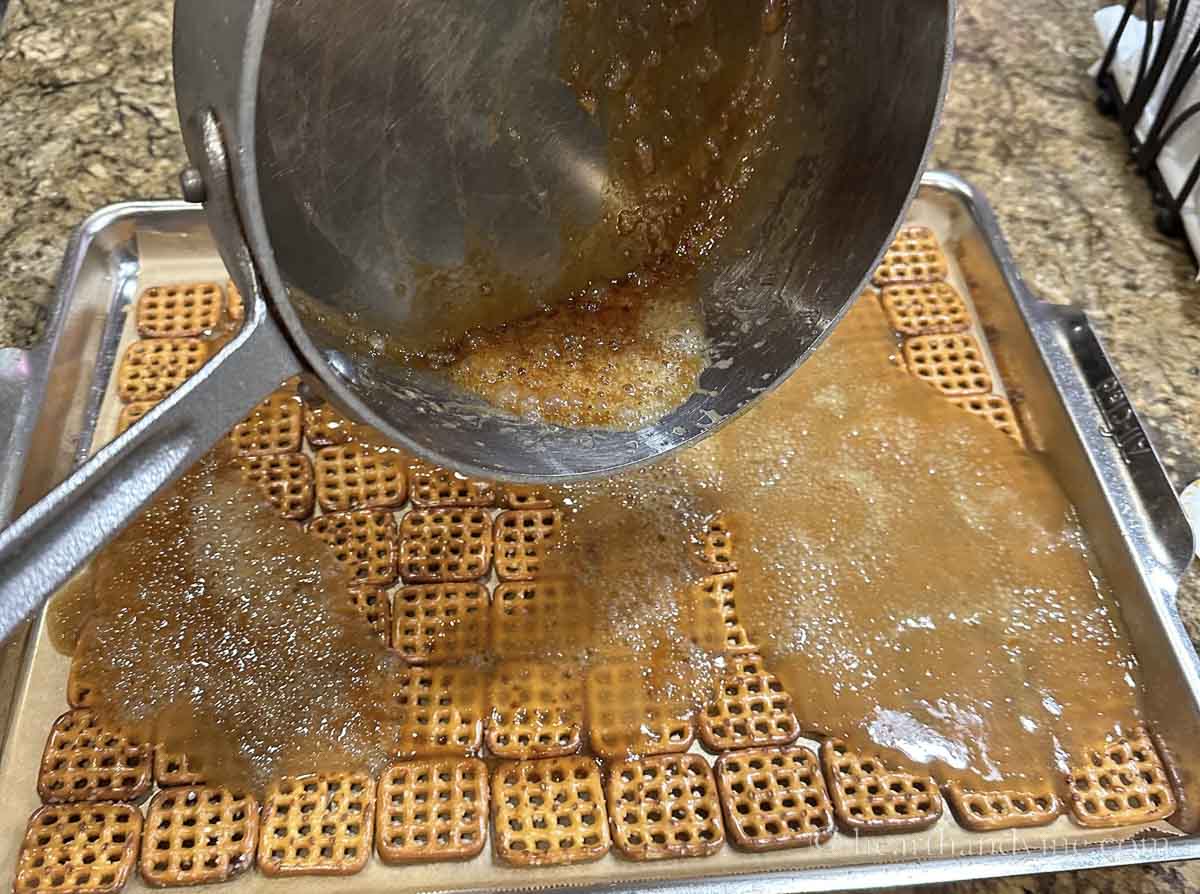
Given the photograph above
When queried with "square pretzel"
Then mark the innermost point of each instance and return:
(197, 834)
(78, 849)
(1123, 783)
(932, 308)
(81, 690)
(996, 410)
(236, 307)
(530, 619)
(434, 623)
(625, 719)
(355, 476)
(953, 364)
(914, 256)
(150, 370)
(432, 810)
(284, 479)
(870, 799)
(526, 496)
(523, 537)
(437, 710)
(774, 798)
(132, 412)
(83, 761)
(713, 617)
(537, 710)
(751, 709)
(445, 545)
(665, 806)
(375, 607)
(364, 541)
(717, 546)
(319, 824)
(992, 811)
(180, 311)
(434, 487)
(275, 426)
(326, 427)
(549, 812)
(172, 769)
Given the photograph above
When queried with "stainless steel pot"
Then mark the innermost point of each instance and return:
(339, 146)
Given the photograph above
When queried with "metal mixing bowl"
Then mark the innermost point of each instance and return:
(342, 148)
(353, 131)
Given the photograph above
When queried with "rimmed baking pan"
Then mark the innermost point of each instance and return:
(53, 403)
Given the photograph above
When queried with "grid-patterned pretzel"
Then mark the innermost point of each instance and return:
(717, 546)
(996, 410)
(132, 412)
(179, 311)
(355, 476)
(990, 811)
(445, 545)
(78, 849)
(1121, 784)
(530, 619)
(751, 709)
(549, 812)
(525, 496)
(152, 369)
(81, 691)
(284, 479)
(933, 308)
(536, 710)
(173, 768)
(440, 622)
(953, 364)
(915, 256)
(714, 619)
(275, 426)
(83, 761)
(774, 798)
(433, 487)
(364, 541)
(326, 427)
(373, 605)
(623, 718)
(868, 798)
(319, 824)
(432, 810)
(236, 307)
(197, 834)
(437, 710)
(523, 537)
(665, 806)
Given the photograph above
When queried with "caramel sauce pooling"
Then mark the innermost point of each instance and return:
(919, 582)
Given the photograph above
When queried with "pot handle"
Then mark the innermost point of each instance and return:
(41, 550)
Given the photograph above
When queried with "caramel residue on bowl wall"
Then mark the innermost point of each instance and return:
(686, 97)
(619, 357)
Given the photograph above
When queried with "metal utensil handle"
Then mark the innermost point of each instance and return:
(42, 549)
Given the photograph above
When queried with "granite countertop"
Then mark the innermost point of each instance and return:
(88, 118)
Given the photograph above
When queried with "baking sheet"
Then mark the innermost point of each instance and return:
(165, 258)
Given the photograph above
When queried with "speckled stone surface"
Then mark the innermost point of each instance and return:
(87, 118)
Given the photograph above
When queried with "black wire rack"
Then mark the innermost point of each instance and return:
(1155, 77)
